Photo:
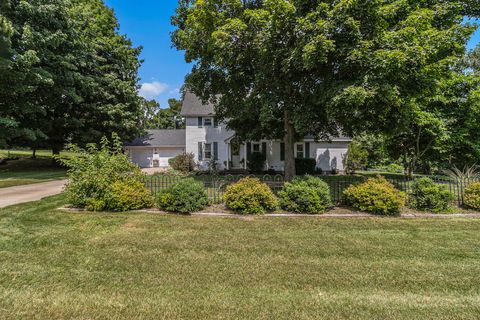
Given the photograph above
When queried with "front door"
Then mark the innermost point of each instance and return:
(235, 154)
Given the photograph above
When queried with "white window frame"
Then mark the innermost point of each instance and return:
(259, 148)
(210, 145)
(302, 152)
(205, 122)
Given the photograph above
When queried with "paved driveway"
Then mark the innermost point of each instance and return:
(30, 192)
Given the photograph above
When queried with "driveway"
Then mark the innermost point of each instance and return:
(30, 192)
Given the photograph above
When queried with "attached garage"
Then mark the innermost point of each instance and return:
(141, 157)
(156, 148)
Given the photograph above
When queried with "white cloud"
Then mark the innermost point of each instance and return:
(150, 90)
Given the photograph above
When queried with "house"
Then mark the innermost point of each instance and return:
(210, 140)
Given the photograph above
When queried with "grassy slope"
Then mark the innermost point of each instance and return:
(58, 265)
(28, 171)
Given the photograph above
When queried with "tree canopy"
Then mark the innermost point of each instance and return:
(67, 74)
(164, 118)
(281, 69)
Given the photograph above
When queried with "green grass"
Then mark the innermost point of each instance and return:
(59, 265)
(28, 171)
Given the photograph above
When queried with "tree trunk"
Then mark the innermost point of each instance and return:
(289, 140)
(56, 152)
(34, 153)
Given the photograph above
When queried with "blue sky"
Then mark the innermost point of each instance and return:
(147, 24)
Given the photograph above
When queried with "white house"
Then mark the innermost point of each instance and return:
(207, 139)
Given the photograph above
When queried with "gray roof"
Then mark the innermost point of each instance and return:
(332, 139)
(193, 106)
(159, 138)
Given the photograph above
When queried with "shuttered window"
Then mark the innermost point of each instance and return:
(307, 150)
(208, 151)
(200, 122)
(282, 151)
(300, 148)
(264, 150)
(200, 151)
(215, 150)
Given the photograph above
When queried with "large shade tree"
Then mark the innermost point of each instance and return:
(67, 74)
(285, 68)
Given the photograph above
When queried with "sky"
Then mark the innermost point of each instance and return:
(147, 24)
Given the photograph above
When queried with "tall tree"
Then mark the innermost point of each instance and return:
(285, 68)
(70, 76)
(164, 118)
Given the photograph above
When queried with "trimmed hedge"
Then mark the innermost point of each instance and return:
(472, 196)
(305, 195)
(186, 196)
(250, 196)
(376, 195)
(426, 195)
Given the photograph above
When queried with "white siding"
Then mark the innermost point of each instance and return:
(208, 135)
(142, 156)
(328, 155)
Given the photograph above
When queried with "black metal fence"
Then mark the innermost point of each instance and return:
(216, 184)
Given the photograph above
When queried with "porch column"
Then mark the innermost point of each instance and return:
(228, 155)
(245, 155)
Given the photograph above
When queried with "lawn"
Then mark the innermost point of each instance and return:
(28, 171)
(58, 265)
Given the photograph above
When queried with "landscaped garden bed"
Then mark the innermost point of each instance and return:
(105, 180)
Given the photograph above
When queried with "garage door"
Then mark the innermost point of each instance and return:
(167, 154)
(140, 157)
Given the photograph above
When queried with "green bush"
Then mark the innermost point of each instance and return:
(305, 195)
(426, 195)
(376, 195)
(305, 166)
(256, 162)
(183, 162)
(186, 196)
(128, 194)
(250, 196)
(472, 196)
(92, 173)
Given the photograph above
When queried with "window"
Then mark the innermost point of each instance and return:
(256, 148)
(208, 151)
(207, 122)
(300, 151)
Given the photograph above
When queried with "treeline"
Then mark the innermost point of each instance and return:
(66, 74)
(445, 134)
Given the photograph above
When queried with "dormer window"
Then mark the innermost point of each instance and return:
(207, 122)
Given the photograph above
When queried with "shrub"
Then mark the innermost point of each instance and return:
(472, 196)
(305, 166)
(128, 194)
(426, 195)
(357, 157)
(305, 195)
(256, 162)
(250, 196)
(93, 171)
(183, 162)
(376, 195)
(186, 196)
